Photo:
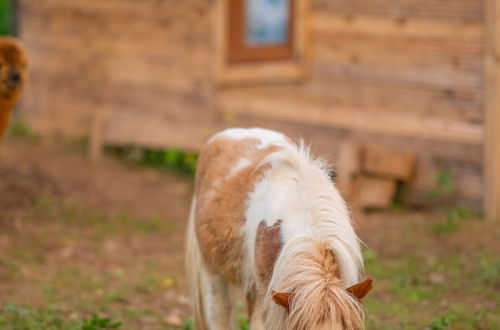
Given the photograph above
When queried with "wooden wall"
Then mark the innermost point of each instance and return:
(492, 127)
(405, 73)
(145, 59)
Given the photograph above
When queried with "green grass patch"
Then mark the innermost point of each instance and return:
(19, 128)
(438, 286)
(17, 317)
(175, 159)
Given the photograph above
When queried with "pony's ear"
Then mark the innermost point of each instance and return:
(361, 289)
(282, 299)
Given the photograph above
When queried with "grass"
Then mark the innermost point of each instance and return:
(120, 286)
(413, 290)
(65, 265)
(18, 128)
(175, 159)
(417, 290)
(16, 317)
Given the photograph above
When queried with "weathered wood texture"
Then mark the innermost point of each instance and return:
(384, 162)
(150, 58)
(407, 74)
(492, 141)
(373, 192)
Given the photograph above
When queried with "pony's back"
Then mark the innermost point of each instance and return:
(266, 218)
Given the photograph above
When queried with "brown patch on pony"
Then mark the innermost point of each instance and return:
(360, 290)
(268, 245)
(221, 201)
(13, 61)
(251, 297)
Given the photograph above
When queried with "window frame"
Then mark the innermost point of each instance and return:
(235, 63)
(239, 51)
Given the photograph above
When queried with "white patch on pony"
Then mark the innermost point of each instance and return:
(266, 136)
(298, 191)
(242, 163)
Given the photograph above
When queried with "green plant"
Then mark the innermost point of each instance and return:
(453, 216)
(450, 224)
(16, 317)
(243, 322)
(188, 324)
(443, 185)
(490, 271)
(100, 323)
(174, 158)
(441, 323)
(171, 159)
(19, 128)
(5, 17)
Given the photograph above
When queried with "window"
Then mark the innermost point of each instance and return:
(260, 40)
(260, 30)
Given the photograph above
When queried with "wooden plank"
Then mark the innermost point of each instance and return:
(373, 192)
(397, 99)
(320, 112)
(459, 10)
(437, 77)
(381, 161)
(426, 53)
(400, 51)
(96, 142)
(127, 128)
(347, 166)
(492, 117)
(410, 28)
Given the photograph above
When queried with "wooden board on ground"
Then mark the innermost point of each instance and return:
(372, 192)
(346, 166)
(381, 161)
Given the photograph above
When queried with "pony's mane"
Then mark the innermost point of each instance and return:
(316, 266)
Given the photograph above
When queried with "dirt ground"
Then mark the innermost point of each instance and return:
(80, 238)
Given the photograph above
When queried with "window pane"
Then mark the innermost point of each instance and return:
(267, 21)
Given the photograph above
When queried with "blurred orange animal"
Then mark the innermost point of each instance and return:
(13, 61)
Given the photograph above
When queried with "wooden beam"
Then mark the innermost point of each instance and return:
(323, 113)
(372, 192)
(492, 112)
(385, 162)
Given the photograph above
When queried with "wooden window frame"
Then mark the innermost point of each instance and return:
(238, 51)
(237, 63)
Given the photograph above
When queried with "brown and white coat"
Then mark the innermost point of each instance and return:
(267, 219)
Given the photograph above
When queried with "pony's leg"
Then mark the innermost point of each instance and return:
(256, 321)
(217, 305)
(209, 293)
(253, 308)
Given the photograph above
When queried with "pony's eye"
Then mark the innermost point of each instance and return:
(332, 174)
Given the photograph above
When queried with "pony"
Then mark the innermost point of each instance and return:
(267, 220)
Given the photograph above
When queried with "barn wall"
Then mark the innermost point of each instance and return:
(407, 74)
(147, 59)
